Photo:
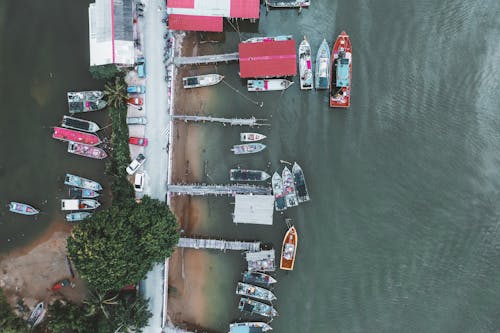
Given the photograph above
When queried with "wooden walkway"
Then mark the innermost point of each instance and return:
(218, 244)
(231, 189)
(206, 59)
(226, 121)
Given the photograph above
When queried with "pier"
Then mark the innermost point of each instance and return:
(231, 189)
(218, 244)
(206, 59)
(226, 121)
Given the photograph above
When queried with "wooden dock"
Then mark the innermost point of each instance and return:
(206, 59)
(202, 189)
(225, 121)
(218, 244)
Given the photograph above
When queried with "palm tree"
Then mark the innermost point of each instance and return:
(98, 302)
(116, 92)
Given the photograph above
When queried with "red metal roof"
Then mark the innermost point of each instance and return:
(180, 3)
(195, 23)
(248, 9)
(268, 59)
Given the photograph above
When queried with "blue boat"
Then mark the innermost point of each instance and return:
(323, 66)
(77, 216)
(81, 182)
(24, 209)
(249, 327)
(82, 193)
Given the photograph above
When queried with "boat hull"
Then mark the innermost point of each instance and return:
(300, 183)
(255, 307)
(340, 94)
(81, 182)
(36, 315)
(79, 124)
(251, 137)
(322, 77)
(77, 216)
(257, 326)
(305, 66)
(256, 292)
(268, 85)
(23, 209)
(288, 4)
(248, 175)
(201, 81)
(65, 134)
(79, 204)
(86, 150)
(258, 278)
(279, 196)
(289, 188)
(82, 193)
(249, 148)
(289, 249)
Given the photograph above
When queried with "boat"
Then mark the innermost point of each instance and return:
(248, 148)
(21, 208)
(300, 183)
(80, 96)
(279, 196)
(305, 66)
(250, 290)
(60, 284)
(77, 216)
(65, 134)
(289, 249)
(86, 150)
(262, 261)
(248, 175)
(201, 80)
(249, 327)
(288, 3)
(251, 137)
(268, 84)
(341, 72)
(81, 182)
(84, 193)
(36, 315)
(258, 278)
(323, 66)
(85, 101)
(79, 124)
(79, 204)
(289, 188)
(256, 307)
(268, 39)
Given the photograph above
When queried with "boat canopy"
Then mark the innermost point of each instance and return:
(343, 72)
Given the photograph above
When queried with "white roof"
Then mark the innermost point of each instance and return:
(205, 8)
(255, 209)
(260, 255)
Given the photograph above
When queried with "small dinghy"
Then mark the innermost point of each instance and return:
(21, 208)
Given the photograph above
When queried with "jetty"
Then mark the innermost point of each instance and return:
(226, 121)
(206, 59)
(218, 244)
(203, 189)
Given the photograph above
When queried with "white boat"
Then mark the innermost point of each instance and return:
(246, 289)
(251, 137)
(36, 315)
(288, 3)
(81, 96)
(305, 66)
(268, 84)
(289, 188)
(79, 124)
(249, 327)
(79, 204)
(268, 39)
(248, 148)
(279, 196)
(201, 80)
(81, 182)
(323, 66)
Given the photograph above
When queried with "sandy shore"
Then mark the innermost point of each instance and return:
(29, 273)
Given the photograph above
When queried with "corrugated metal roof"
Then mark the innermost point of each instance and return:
(268, 59)
(180, 3)
(254, 209)
(195, 23)
(248, 9)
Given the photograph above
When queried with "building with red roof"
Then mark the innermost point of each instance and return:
(268, 59)
(208, 15)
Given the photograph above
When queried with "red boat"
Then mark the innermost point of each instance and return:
(61, 284)
(133, 140)
(134, 101)
(65, 134)
(341, 72)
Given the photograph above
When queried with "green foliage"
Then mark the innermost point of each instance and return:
(120, 157)
(9, 322)
(121, 244)
(104, 72)
(63, 317)
(116, 92)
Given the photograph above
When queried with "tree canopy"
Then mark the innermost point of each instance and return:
(119, 245)
(104, 71)
(9, 321)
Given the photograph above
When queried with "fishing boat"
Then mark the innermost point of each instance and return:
(323, 66)
(341, 69)
(80, 96)
(77, 216)
(85, 101)
(249, 327)
(250, 290)
(86, 150)
(21, 208)
(262, 261)
(300, 183)
(201, 80)
(255, 307)
(79, 204)
(268, 39)
(251, 137)
(305, 66)
(65, 134)
(268, 84)
(289, 249)
(248, 148)
(288, 3)
(248, 175)
(258, 278)
(279, 196)
(36, 315)
(79, 124)
(60, 284)
(83, 193)
(289, 188)
(81, 182)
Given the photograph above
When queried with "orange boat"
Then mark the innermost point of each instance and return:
(289, 249)
(65, 134)
(341, 72)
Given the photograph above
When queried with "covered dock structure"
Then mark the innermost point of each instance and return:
(254, 209)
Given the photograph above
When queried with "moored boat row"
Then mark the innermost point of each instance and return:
(290, 188)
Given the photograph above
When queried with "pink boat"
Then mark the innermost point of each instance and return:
(86, 150)
(66, 134)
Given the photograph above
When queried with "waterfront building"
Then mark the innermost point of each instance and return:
(208, 15)
(111, 33)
